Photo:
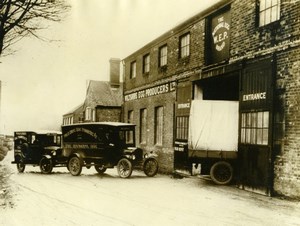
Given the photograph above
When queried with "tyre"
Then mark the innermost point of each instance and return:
(100, 169)
(21, 166)
(150, 167)
(75, 166)
(221, 173)
(124, 168)
(46, 165)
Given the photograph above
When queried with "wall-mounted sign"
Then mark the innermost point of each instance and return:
(255, 96)
(184, 105)
(153, 91)
(256, 86)
(220, 37)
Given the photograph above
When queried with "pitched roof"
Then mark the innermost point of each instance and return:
(102, 93)
(77, 108)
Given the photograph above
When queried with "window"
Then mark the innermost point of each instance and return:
(129, 134)
(90, 114)
(130, 117)
(185, 45)
(158, 125)
(133, 70)
(269, 11)
(146, 64)
(143, 125)
(93, 115)
(255, 128)
(163, 56)
(182, 127)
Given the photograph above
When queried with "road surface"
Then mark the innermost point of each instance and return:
(31, 198)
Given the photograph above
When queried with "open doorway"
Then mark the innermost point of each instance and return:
(225, 87)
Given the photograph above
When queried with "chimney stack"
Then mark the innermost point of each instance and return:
(115, 72)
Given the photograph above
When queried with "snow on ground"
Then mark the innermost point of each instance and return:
(92, 199)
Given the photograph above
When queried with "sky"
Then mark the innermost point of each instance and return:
(44, 80)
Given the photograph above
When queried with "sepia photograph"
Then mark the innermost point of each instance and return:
(150, 112)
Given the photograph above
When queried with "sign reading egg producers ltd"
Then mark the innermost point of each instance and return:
(152, 91)
(220, 37)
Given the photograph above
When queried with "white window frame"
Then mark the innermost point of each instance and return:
(269, 11)
(146, 63)
(133, 69)
(185, 45)
(163, 55)
(159, 125)
(255, 128)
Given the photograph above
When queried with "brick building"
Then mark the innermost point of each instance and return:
(103, 101)
(241, 50)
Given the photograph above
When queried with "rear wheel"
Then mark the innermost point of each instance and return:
(124, 168)
(75, 166)
(221, 173)
(100, 169)
(21, 166)
(46, 165)
(150, 167)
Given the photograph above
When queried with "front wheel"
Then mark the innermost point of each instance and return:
(46, 165)
(221, 173)
(150, 167)
(124, 168)
(100, 169)
(75, 166)
(21, 166)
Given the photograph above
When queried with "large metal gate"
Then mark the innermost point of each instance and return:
(256, 113)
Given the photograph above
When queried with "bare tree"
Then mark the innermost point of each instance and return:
(21, 18)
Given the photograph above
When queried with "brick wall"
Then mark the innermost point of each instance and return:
(165, 151)
(287, 151)
(108, 114)
(280, 40)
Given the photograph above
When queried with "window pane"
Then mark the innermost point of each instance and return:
(254, 120)
(259, 136)
(248, 136)
(266, 120)
(262, 5)
(184, 46)
(262, 19)
(248, 120)
(146, 63)
(253, 136)
(158, 125)
(268, 3)
(268, 16)
(243, 120)
(243, 136)
(254, 128)
(133, 70)
(269, 11)
(143, 125)
(265, 136)
(260, 119)
(163, 56)
(182, 127)
(274, 14)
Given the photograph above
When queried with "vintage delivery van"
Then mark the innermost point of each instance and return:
(105, 145)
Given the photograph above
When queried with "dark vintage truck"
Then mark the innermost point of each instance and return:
(105, 145)
(38, 148)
